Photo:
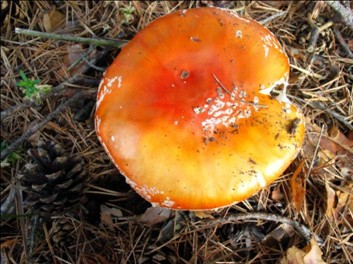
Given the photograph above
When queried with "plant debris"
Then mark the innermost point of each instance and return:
(306, 215)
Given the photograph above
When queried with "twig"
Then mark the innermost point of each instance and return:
(101, 69)
(320, 106)
(38, 126)
(66, 37)
(268, 19)
(33, 228)
(346, 13)
(315, 153)
(343, 43)
(301, 229)
(57, 90)
(20, 211)
(7, 206)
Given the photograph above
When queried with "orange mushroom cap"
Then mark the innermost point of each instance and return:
(185, 110)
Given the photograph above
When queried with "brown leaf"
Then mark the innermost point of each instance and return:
(345, 201)
(279, 236)
(155, 215)
(330, 200)
(107, 214)
(277, 195)
(312, 255)
(74, 63)
(294, 255)
(298, 187)
(53, 20)
(8, 243)
(57, 128)
(340, 138)
(204, 214)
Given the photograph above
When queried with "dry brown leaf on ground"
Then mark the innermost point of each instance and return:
(107, 215)
(345, 200)
(335, 151)
(8, 243)
(336, 142)
(330, 200)
(155, 215)
(53, 20)
(277, 194)
(279, 236)
(204, 214)
(74, 60)
(311, 254)
(298, 187)
(337, 201)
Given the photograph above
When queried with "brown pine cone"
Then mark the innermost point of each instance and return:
(53, 181)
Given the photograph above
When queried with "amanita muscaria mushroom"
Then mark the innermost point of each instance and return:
(186, 114)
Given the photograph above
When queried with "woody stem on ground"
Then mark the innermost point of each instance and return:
(57, 90)
(346, 13)
(66, 37)
(39, 125)
(305, 232)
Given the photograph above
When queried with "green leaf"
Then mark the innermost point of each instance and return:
(23, 75)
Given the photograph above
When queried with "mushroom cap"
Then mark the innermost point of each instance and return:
(186, 115)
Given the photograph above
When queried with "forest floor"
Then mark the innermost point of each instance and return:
(48, 94)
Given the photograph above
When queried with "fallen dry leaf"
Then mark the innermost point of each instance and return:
(53, 20)
(340, 138)
(294, 255)
(107, 215)
(330, 200)
(345, 201)
(155, 215)
(279, 237)
(336, 142)
(8, 243)
(298, 187)
(312, 255)
(74, 60)
(277, 195)
(204, 214)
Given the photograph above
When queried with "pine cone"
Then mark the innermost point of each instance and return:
(62, 233)
(53, 182)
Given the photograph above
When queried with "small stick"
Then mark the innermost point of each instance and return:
(305, 232)
(31, 240)
(56, 90)
(339, 117)
(315, 152)
(38, 126)
(23, 223)
(268, 19)
(346, 13)
(66, 37)
(343, 43)
(7, 206)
